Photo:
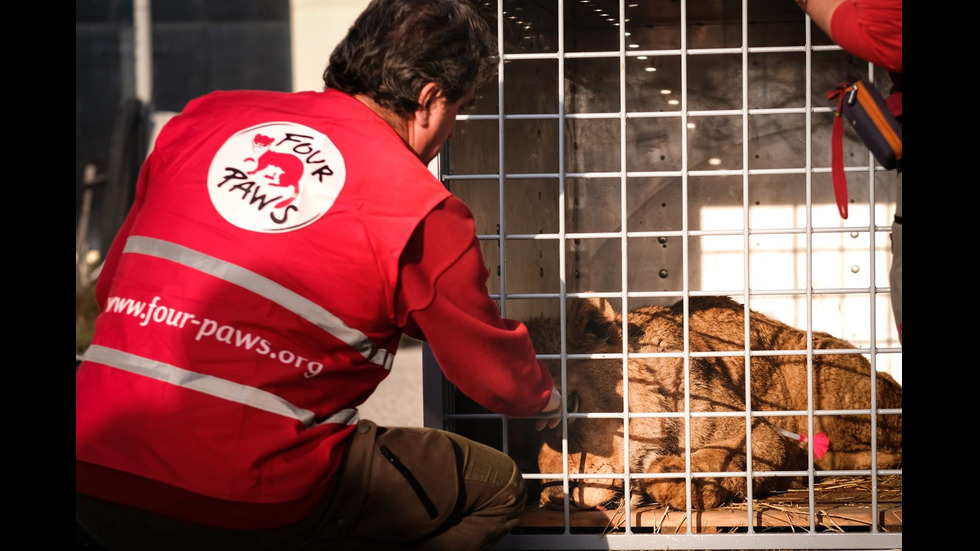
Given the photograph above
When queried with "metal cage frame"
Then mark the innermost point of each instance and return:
(627, 538)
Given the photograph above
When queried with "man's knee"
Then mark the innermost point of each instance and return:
(513, 495)
(491, 474)
(518, 498)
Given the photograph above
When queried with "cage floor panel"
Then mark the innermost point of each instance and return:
(843, 506)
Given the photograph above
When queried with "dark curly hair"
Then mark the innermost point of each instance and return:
(396, 47)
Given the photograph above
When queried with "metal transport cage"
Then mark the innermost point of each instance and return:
(651, 152)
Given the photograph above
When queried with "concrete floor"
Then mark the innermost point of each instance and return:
(398, 400)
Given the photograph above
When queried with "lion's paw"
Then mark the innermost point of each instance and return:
(706, 493)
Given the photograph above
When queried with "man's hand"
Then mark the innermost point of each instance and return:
(554, 406)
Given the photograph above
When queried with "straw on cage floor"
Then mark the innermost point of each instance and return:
(841, 503)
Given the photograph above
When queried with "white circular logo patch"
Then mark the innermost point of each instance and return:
(275, 177)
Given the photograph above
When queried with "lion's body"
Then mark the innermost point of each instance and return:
(717, 384)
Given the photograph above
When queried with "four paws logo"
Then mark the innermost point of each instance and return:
(275, 177)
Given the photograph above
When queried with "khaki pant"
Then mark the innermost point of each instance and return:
(399, 488)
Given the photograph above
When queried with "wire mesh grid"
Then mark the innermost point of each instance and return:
(534, 132)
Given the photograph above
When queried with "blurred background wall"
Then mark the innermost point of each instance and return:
(194, 47)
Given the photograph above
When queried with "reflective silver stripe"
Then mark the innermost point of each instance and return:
(215, 386)
(384, 360)
(264, 287)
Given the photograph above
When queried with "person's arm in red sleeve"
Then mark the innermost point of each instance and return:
(108, 270)
(443, 300)
(869, 29)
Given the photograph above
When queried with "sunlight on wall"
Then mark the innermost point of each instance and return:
(842, 263)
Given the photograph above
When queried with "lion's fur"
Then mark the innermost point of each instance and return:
(717, 384)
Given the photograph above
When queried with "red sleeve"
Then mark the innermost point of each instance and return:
(443, 300)
(108, 270)
(871, 30)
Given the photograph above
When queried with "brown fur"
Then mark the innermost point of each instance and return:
(657, 445)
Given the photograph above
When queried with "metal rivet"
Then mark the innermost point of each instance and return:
(663, 274)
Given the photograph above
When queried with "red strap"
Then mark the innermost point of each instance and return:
(837, 151)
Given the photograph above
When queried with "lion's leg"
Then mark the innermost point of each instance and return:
(843, 460)
(770, 450)
(850, 439)
(706, 492)
(671, 492)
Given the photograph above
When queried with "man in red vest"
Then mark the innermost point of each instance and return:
(278, 248)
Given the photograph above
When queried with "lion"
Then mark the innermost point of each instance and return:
(717, 384)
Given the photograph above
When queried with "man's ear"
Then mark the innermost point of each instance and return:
(427, 97)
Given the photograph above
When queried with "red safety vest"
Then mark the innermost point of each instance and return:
(252, 309)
